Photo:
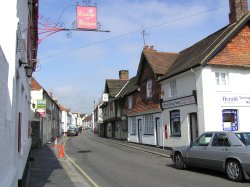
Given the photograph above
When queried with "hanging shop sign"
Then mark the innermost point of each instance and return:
(86, 17)
(41, 112)
(41, 104)
(235, 100)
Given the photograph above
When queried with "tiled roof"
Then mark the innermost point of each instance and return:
(35, 85)
(159, 61)
(203, 51)
(130, 87)
(113, 86)
(62, 108)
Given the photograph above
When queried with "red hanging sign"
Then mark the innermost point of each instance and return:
(86, 17)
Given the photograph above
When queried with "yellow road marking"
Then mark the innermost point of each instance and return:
(80, 169)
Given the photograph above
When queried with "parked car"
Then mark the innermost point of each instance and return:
(228, 152)
(72, 131)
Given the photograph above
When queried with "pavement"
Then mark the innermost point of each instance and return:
(47, 170)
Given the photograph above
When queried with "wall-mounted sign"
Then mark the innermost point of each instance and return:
(188, 100)
(41, 104)
(86, 17)
(235, 100)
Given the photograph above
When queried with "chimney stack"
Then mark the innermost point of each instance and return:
(123, 75)
(237, 9)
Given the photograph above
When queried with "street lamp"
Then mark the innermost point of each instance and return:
(28, 68)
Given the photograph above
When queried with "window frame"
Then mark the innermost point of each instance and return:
(221, 78)
(149, 88)
(130, 102)
(133, 125)
(149, 124)
(173, 88)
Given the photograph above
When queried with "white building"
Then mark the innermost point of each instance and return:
(207, 87)
(64, 120)
(16, 58)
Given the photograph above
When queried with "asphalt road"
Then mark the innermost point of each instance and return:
(112, 165)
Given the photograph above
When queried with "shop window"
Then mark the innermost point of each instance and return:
(149, 88)
(149, 125)
(230, 120)
(133, 126)
(173, 89)
(175, 124)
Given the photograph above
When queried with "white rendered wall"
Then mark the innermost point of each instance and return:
(185, 84)
(238, 80)
(15, 98)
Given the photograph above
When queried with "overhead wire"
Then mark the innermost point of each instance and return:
(133, 32)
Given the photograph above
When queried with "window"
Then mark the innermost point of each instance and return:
(230, 119)
(130, 102)
(149, 124)
(175, 124)
(149, 88)
(204, 140)
(220, 78)
(133, 126)
(244, 137)
(220, 140)
(173, 89)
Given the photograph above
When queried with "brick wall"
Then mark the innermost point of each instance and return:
(141, 103)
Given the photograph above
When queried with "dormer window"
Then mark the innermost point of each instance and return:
(149, 88)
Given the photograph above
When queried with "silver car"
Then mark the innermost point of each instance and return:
(225, 151)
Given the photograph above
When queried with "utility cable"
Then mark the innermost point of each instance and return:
(133, 32)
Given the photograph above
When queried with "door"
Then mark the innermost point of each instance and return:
(218, 151)
(197, 153)
(193, 126)
(158, 131)
(139, 122)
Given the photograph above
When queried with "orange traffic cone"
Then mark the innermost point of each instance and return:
(55, 145)
(61, 151)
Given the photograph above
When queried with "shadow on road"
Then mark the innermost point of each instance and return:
(210, 172)
(46, 169)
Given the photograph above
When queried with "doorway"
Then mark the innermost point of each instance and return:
(139, 122)
(158, 131)
(193, 127)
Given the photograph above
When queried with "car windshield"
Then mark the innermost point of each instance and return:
(244, 137)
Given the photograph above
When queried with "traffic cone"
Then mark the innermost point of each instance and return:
(61, 151)
(55, 145)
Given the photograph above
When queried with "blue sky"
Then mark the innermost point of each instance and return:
(74, 69)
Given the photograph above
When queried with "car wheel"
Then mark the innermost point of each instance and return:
(234, 171)
(178, 160)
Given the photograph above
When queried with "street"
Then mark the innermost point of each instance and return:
(112, 165)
